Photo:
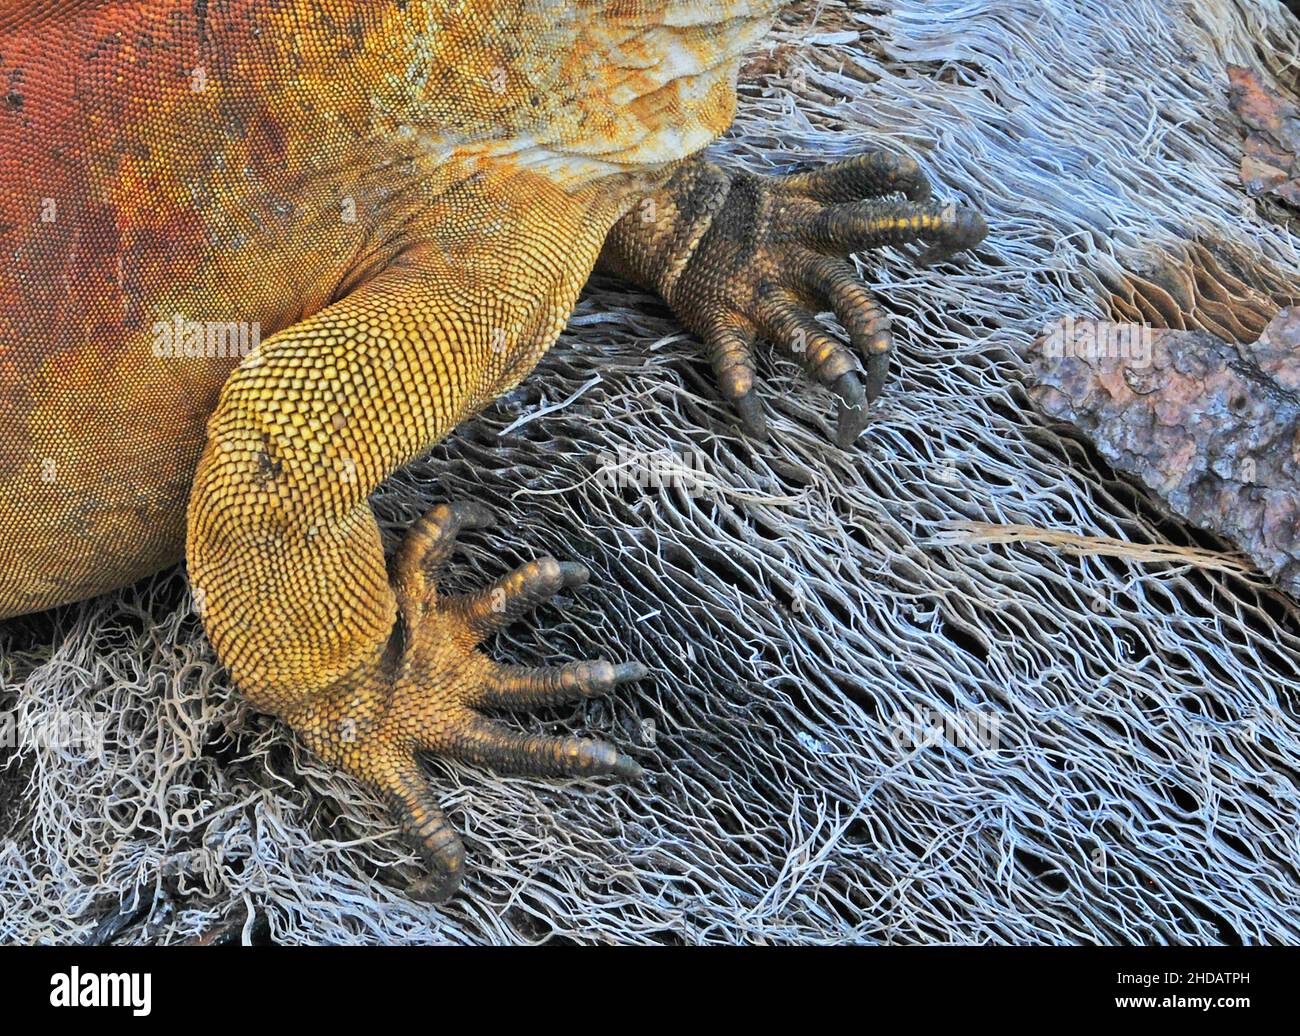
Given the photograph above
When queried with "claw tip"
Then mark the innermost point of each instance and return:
(482, 516)
(848, 429)
(434, 891)
(877, 374)
(629, 671)
(751, 415)
(574, 573)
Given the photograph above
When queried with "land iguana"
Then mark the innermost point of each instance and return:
(403, 198)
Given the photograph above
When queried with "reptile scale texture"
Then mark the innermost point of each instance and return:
(259, 254)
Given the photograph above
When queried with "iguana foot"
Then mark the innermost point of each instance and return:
(743, 257)
(435, 692)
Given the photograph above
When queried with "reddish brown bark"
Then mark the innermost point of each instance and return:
(1212, 428)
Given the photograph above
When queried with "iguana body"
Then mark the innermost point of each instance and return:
(394, 205)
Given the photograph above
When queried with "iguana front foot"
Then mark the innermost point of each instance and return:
(743, 257)
(431, 700)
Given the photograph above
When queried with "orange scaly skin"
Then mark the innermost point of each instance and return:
(401, 200)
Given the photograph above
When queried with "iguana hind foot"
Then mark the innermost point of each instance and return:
(433, 697)
(743, 257)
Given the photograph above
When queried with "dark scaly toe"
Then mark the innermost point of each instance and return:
(836, 282)
(425, 550)
(517, 594)
(786, 320)
(425, 829)
(863, 176)
(482, 742)
(729, 342)
(865, 225)
(523, 687)
(429, 541)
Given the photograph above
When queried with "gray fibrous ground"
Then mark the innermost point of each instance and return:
(857, 727)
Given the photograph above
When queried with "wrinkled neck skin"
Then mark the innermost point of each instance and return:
(578, 89)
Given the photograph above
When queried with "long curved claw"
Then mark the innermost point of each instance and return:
(750, 410)
(877, 373)
(854, 411)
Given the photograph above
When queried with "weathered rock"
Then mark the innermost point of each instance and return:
(1212, 428)
(1271, 162)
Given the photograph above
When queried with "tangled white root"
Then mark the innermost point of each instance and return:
(856, 728)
